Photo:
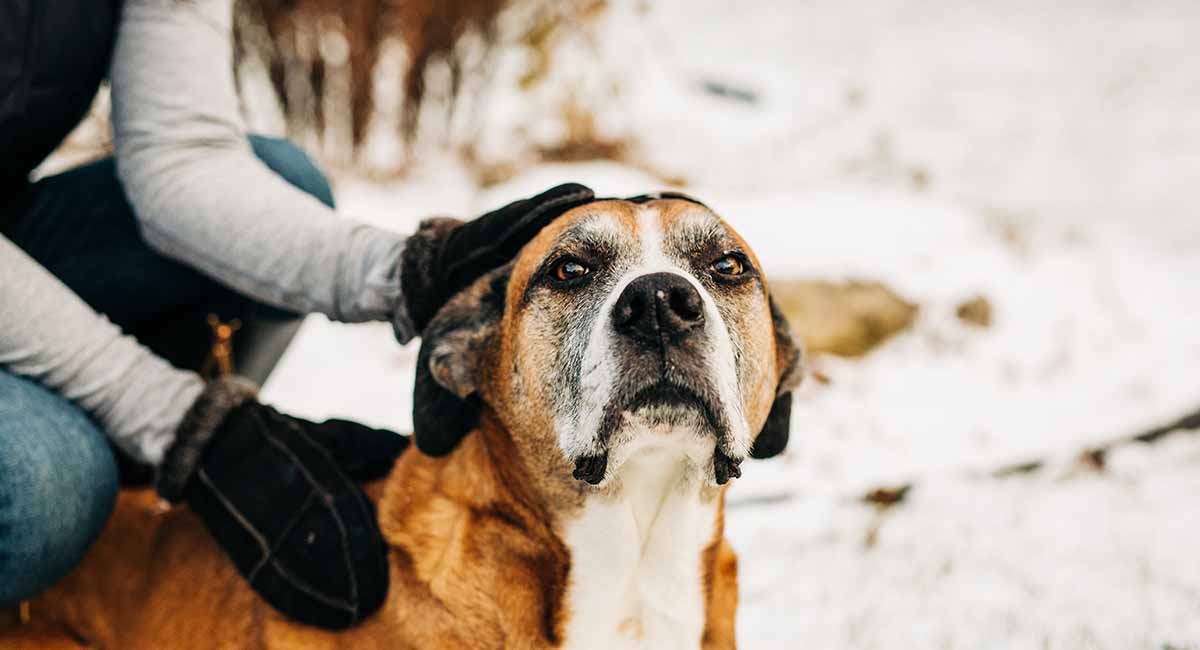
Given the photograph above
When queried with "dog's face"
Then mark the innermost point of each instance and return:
(624, 325)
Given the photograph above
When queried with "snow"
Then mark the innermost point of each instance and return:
(1085, 561)
(1038, 155)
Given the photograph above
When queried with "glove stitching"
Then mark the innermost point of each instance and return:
(332, 601)
(328, 497)
(346, 558)
(282, 446)
(360, 499)
(287, 530)
(202, 474)
(294, 581)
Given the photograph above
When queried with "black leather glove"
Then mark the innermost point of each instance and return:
(278, 494)
(446, 255)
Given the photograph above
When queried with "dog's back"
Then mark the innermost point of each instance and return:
(147, 562)
(154, 579)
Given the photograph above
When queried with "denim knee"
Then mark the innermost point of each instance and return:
(58, 486)
(290, 162)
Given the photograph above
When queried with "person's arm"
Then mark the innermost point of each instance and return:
(203, 198)
(48, 334)
(216, 447)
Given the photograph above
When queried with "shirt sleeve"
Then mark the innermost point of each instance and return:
(203, 198)
(50, 335)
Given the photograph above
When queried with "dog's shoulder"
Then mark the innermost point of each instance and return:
(463, 537)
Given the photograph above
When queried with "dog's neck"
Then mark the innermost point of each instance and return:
(627, 558)
(637, 576)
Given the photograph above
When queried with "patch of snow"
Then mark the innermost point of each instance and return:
(1046, 561)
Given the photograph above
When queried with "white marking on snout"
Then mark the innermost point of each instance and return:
(600, 372)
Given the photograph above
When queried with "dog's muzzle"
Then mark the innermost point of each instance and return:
(659, 320)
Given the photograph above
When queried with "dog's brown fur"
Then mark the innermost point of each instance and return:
(474, 564)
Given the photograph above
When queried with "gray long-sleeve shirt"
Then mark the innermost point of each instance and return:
(203, 198)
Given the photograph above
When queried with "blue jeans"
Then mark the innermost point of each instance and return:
(58, 483)
(58, 474)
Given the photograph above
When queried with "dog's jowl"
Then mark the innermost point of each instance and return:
(582, 412)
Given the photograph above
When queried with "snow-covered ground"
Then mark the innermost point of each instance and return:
(1039, 155)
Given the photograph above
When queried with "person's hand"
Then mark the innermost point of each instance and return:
(279, 496)
(445, 255)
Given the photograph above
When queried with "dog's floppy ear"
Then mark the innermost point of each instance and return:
(446, 399)
(773, 438)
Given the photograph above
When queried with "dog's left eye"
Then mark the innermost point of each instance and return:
(568, 270)
(729, 265)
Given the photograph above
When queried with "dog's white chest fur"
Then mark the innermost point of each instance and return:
(636, 579)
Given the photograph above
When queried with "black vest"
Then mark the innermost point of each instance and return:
(53, 56)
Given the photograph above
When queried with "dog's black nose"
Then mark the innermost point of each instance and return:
(658, 307)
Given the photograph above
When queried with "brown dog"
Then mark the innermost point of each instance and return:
(614, 377)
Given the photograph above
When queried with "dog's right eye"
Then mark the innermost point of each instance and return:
(568, 270)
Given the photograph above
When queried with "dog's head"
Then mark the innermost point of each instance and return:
(623, 324)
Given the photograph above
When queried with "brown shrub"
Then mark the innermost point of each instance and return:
(284, 34)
